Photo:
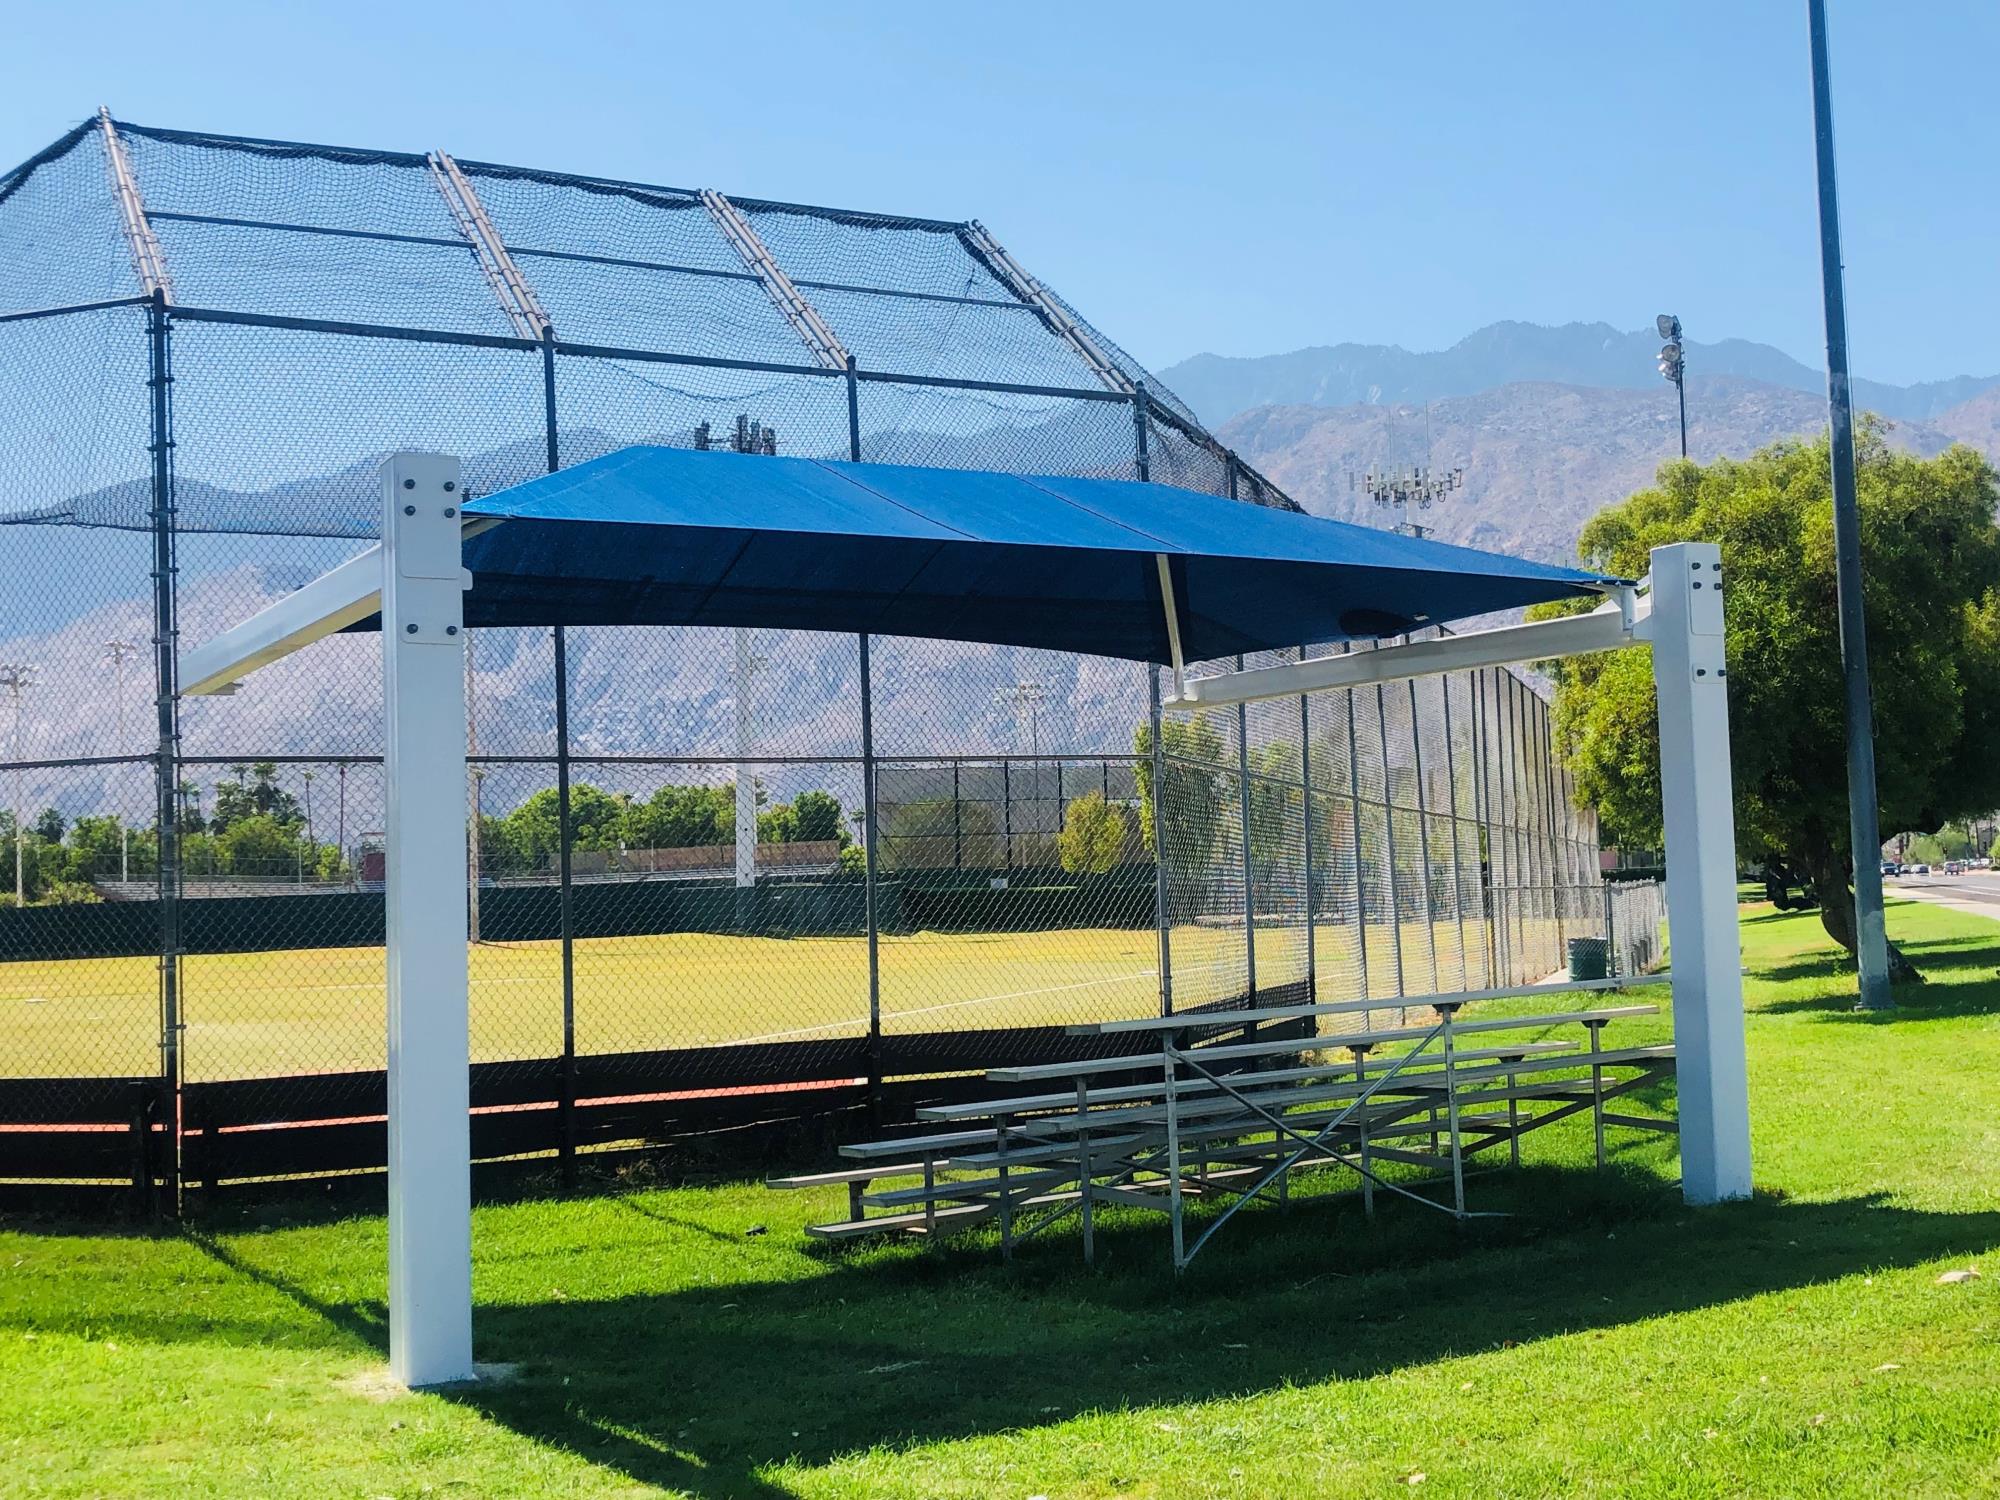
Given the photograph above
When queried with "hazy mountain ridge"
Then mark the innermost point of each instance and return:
(1219, 387)
(1541, 458)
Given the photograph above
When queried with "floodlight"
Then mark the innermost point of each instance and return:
(1669, 326)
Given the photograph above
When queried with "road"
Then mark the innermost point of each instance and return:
(1975, 891)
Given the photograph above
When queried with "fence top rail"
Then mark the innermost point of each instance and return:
(1221, 1020)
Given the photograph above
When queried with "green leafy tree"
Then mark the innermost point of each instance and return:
(1931, 555)
(685, 817)
(820, 818)
(1193, 802)
(253, 793)
(1926, 850)
(1094, 836)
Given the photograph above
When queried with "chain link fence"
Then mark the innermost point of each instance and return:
(704, 867)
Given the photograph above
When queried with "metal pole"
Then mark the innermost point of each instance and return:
(1864, 834)
(565, 886)
(1389, 831)
(1249, 864)
(1354, 830)
(429, 1121)
(868, 856)
(1306, 828)
(1424, 835)
(473, 777)
(853, 412)
(1680, 385)
(166, 702)
(565, 913)
(1160, 901)
(1457, 845)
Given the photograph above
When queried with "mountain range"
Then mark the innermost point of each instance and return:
(1548, 425)
(1218, 387)
(1541, 458)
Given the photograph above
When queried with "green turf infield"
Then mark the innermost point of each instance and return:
(321, 1009)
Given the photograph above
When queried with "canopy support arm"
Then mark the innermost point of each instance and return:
(1618, 622)
(1173, 613)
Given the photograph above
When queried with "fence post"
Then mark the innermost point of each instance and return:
(565, 886)
(1354, 829)
(1305, 823)
(1160, 903)
(1389, 837)
(869, 866)
(1457, 843)
(1423, 832)
(1249, 864)
(166, 701)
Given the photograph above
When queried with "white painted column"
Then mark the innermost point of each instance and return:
(1691, 678)
(423, 695)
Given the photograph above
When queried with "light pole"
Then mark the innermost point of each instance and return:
(17, 677)
(1673, 366)
(307, 777)
(748, 665)
(1871, 939)
(118, 651)
(475, 775)
(1031, 696)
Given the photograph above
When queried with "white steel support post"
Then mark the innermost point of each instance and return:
(1692, 682)
(423, 693)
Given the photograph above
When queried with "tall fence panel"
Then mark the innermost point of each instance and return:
(716, 879)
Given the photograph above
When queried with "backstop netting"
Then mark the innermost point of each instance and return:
(208, 344)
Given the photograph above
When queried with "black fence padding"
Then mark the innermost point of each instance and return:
(508, 914)
(1038, 901)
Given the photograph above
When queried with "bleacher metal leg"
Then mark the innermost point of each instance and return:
(1446, 1013)
(1513, 1119)
(1083, 1174)
(1596, 1030)
(1174, 1157)
(1006, 1197)
(930, 1199)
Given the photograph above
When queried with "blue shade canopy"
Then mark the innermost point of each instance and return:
(673, 536)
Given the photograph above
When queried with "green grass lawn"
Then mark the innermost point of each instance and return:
(1601, 1340)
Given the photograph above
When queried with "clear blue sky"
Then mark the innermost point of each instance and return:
(1245, 178)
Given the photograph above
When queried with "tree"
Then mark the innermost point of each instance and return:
(685, 817)
(820, 818)
(1193, 750)
(1931, 555)
(1093, 837)
(1926, 850)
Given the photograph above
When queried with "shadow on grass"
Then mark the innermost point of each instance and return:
(700, 1389)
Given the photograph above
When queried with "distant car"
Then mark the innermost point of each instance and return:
(1953, 867)
(1921, 870)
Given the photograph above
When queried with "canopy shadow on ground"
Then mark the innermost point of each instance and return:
(698, 1390)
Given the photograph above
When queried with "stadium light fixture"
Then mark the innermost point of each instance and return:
(1673, 367)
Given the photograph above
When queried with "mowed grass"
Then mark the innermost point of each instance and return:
(311, 1010)
(1603, 1340)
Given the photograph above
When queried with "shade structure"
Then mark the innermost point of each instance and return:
(672, 536)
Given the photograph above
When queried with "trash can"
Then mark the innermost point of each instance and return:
(1589, 958)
